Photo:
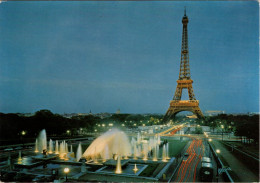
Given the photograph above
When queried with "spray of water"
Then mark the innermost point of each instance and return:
(79, 152)
(117, 142)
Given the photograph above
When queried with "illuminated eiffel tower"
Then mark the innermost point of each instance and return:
(184, 82)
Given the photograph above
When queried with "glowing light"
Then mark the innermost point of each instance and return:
(135, 168)
(210, 140)
(23, 132)
(66, 170)
(118, 166)
(218, 151)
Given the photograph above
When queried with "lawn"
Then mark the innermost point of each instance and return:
(175, 146)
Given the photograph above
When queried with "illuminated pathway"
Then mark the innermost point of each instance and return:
(171, 131)
(188, 168)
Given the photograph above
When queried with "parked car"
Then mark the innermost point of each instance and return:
(185, 157)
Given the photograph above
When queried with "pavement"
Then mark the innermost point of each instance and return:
(243, 173)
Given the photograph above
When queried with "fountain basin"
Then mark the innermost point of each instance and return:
(126, 170)
(41, 157)
(112, 163)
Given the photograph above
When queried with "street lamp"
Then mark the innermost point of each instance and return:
(222, 126)
(68, 132)
(22, 135)
(66, 171)
(23, 132)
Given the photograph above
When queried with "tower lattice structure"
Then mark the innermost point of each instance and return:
(184, 82)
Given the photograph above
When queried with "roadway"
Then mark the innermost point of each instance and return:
(188, 168)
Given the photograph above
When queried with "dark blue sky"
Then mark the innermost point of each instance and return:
(77, 56)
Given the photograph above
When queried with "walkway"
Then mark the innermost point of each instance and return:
(243, 173)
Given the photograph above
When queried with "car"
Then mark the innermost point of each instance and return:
(205, 159)
(186, 156)
(206, 172)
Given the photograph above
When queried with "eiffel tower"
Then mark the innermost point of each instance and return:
(184, 82)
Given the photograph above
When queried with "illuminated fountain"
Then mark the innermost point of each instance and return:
(41, 141)
(20, 156)
(135, 152)
(106, 154)
(79, 152)
(50, 147)
(164, 153)
(145, 151)
(57, 147)
(62, 150)
(157, 151)
(159, 139)
(167, 151)
(138, 138)
(95, 156)
(36, 146)
(116, 141)
(71, 150)
(109, 154)
(155, 154)
(66, 148)
(135, 168)
(118, 166)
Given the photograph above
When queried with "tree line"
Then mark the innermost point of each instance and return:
(12, 125)
(246, 126)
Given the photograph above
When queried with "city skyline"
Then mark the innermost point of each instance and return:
(100, 56)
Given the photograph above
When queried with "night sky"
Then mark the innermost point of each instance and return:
(103, 56)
